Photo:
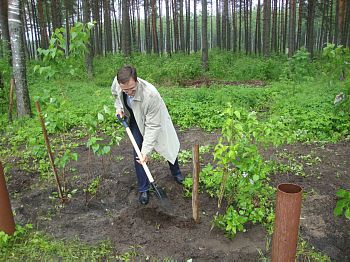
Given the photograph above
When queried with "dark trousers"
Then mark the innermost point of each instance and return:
(142, 179)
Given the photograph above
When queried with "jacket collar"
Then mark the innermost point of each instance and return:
(138, 94)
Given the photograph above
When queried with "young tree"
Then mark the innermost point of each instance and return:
(18, 58)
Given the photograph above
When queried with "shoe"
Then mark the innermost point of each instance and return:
(143, 198)
(179, 179)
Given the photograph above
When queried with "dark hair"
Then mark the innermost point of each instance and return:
(125, 73)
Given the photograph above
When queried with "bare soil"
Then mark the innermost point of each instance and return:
(114, 214)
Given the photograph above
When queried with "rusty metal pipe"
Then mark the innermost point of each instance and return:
(7, 223)
(287, 217)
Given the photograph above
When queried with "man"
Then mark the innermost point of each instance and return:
(149, 122)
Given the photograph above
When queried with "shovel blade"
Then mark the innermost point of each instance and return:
(161, 195)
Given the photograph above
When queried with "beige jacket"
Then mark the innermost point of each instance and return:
(152, 119)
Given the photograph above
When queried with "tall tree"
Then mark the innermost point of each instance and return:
(188, 26)
(341, 8)
(204, 36)
(107, 25)
(126, 28)
(89, 53)
(56, 14)
(161, 41)
(266, 27)
(182, 26)
(42, 24)
(154, 27)
(5, 35)
(257, 46)
(300, 18)
(18, 58)
(218, 24)
(274, 27)
(168, 39)
(310, 27)
(292, 18)
(224, 25)
(195, 27)
(147, 27)
(97, 29)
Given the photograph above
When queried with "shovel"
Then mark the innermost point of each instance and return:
(158, 191)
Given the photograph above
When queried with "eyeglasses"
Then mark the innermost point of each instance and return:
(128, 90)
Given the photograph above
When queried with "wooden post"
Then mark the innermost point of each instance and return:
(195, 197)
(7, 223)
(48, 147)
(12, 84)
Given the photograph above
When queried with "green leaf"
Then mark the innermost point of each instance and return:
(100, 117)
(341, 193)
(347, 213)
(255, 178)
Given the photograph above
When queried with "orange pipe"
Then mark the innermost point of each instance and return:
(7, 223)
(287, 217)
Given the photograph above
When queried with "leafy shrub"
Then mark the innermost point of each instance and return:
(343, 204)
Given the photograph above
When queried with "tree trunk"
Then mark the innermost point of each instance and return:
(310, 27)
(89, 53)
(176, 26)
(147, 28)
(182, 26)
(5, 35)
(224, 25)
(266, 27)
(257, 48)
(18, 58)
(126, 28)
(195, 27)
(285, 32)
(56, 14)
(340, 21)
(154, 27)
(204, 36)
(97, 29)
(274, 27)
(107, 25)
(218, 25)
(292, 18)
(168, 39)
(234, 25)
(42, 23)
(161, 41)
(301, 2)
(188, 24)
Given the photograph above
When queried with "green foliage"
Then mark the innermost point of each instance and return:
(298, 68)
(343, 204)
(57, 59)
(337, 60)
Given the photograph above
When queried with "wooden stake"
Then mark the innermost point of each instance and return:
(12, 84)
(195, 197)
(48, 147)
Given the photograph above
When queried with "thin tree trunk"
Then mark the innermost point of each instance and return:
(257, 48)
(89, 53)
(161, 41)
(274, 27)
(107, 25)
(18, 58)
(204, 36)
(154, 28)
(266, 28)
(300, 23)
(188, 31)
(234, 24)
(195, 27)
(285, 32)
(224, 25)
(168, 39)
(126, 28)
(218, 25)
(182, 27)
(42, 23)
(5, 35)
(310, 27)
(56, 14)
(292, 18)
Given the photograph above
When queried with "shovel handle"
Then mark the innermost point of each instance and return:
(136, 147)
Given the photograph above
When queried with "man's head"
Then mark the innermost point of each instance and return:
(127, 79)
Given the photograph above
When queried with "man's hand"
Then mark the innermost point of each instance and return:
(121, 114)
(143, 160)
